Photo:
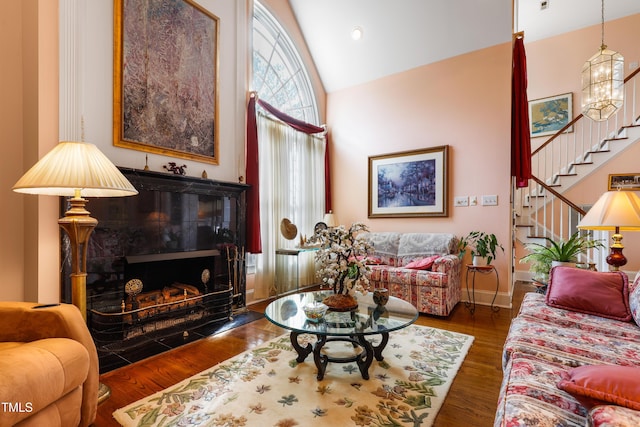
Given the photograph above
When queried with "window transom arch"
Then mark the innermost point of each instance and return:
(279, 75)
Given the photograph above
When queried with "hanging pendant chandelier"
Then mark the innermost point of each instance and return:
(602, 82)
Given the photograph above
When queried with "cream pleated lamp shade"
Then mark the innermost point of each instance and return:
(613, 209)
(73, 166)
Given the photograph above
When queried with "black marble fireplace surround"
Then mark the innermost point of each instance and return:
(167, 236)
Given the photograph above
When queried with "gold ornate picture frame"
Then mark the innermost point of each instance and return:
(624, 181)
(409, 183)
(165, 79)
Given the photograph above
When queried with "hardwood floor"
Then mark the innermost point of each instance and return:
(471, 400)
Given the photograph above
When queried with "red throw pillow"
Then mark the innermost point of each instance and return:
(591, 292)
(604, 384)
(423, 263)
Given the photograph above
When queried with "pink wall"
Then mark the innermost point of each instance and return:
(463, 102)
(12, 224)
(554, 67)
(29, 108)
(554, 64)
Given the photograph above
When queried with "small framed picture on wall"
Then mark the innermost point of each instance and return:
(549, 115)
(624, 181)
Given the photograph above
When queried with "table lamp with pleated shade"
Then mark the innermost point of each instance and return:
(614, 211)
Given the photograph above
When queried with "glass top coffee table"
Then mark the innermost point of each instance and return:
(353, 326)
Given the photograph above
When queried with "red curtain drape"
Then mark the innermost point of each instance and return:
(293, 122)
(520, 136)
(327, 178)
(254, 242)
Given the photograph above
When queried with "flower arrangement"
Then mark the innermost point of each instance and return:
(341, 258)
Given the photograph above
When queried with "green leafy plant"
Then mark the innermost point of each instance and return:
(480, 244)
(542, 256)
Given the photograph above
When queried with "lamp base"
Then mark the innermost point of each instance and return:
(104, 392)
(616, 259)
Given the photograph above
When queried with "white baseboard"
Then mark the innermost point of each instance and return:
(523, 276)
(502, 299)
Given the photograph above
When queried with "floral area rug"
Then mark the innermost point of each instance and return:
(266, 387)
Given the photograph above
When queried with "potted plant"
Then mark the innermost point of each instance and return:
(483, 247)
(543, 257)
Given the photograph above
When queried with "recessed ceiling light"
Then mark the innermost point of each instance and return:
(356, 33)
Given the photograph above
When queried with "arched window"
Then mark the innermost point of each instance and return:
(292, 171)
(279, 76)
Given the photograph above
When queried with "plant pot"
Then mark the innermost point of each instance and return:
(340, 302)
(479, 261)
(562, 264)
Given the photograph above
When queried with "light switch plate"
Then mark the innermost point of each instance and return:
(491, 200)
(461, 201)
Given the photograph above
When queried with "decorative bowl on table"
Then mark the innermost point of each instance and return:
(315, 311)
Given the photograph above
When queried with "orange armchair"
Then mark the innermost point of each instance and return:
(48, 366)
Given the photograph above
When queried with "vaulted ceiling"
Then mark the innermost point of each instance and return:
(398, 35)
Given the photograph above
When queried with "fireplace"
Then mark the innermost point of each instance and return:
(172, 256)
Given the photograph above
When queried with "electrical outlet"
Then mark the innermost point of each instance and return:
(461, 201)
(473, 200)
(490, 200)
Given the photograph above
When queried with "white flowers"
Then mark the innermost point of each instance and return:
(342, 259)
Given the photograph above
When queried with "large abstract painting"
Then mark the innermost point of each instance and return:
(165, 78)
(411, 183)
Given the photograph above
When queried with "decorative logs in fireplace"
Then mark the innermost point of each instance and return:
(157, 313)
(176, 296)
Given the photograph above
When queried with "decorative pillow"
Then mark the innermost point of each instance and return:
(634, 299)
(590, 292)
(423, 263)
(605, 384)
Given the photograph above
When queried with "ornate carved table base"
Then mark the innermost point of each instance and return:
(363, 359)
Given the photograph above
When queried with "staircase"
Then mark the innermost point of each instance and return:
(582, 146)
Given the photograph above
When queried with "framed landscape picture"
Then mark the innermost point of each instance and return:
(165, 78)
(549, 115)
(624, 181)
(409, 184)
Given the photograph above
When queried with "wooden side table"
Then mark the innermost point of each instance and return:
(471, 295)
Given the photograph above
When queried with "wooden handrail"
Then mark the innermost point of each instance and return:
(559, 196)
(578, 117)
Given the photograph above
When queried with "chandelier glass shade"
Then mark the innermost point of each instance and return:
(602, 84)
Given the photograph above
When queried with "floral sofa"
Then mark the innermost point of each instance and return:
(421, 268)
(572, 356)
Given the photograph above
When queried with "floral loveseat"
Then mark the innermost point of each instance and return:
(572, 357)
(421, 268)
